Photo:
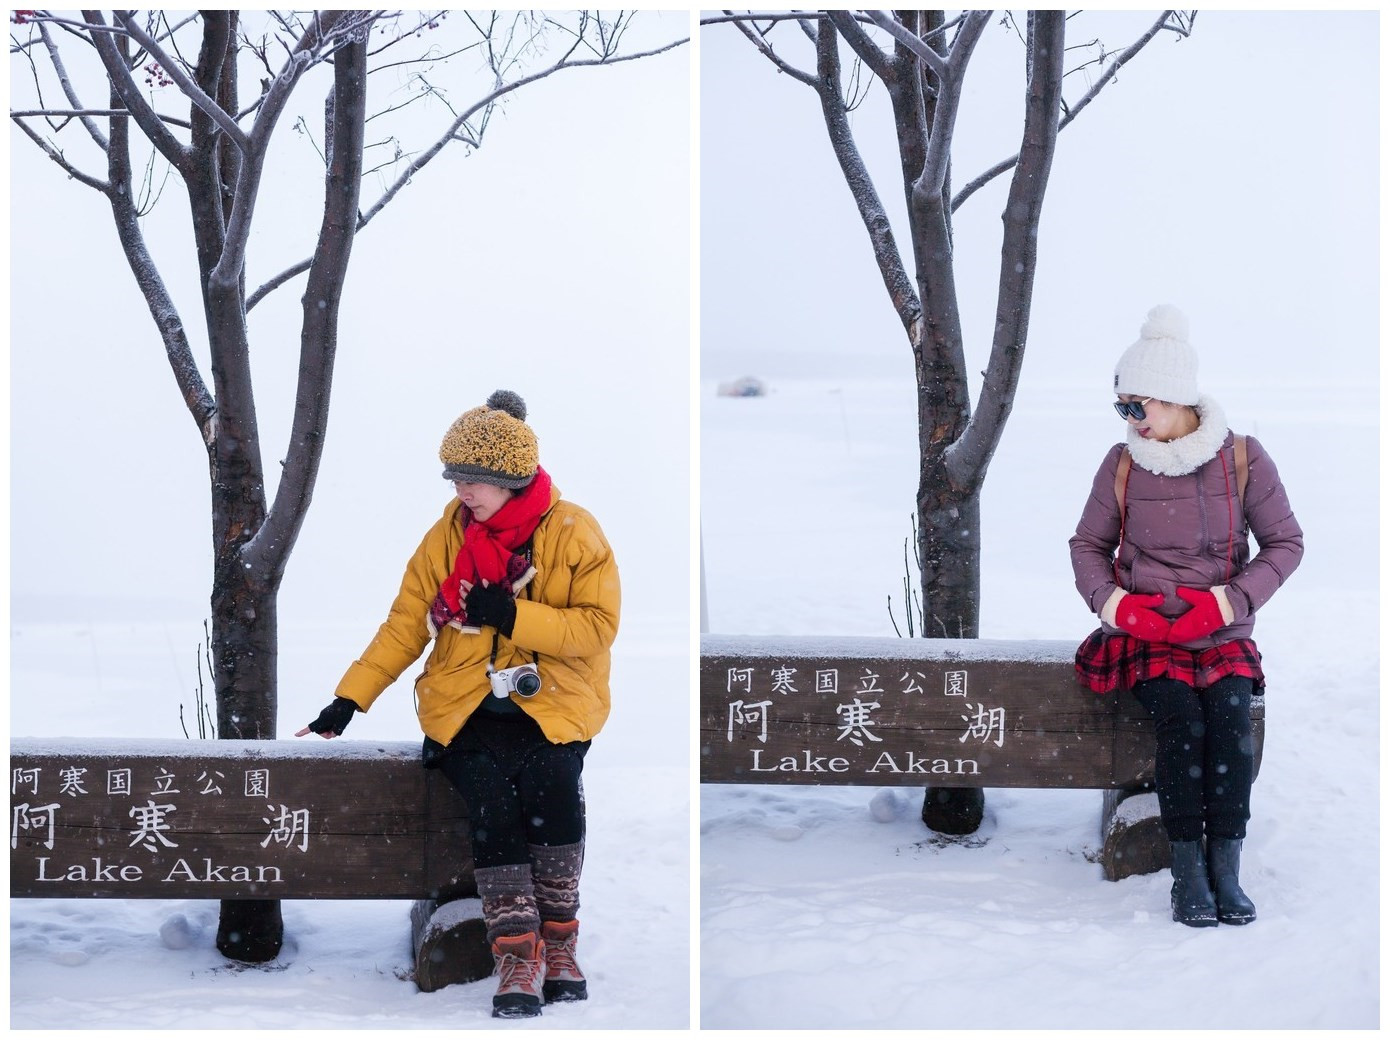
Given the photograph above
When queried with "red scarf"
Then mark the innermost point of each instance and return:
(488, 552)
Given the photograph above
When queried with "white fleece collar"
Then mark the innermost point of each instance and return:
(1184, 454)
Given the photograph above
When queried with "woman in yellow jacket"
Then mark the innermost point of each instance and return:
(518, 591)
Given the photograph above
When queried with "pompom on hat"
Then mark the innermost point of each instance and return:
(492, 444)
(1161, 363)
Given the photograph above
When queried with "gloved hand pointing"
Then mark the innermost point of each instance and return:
(332, 720)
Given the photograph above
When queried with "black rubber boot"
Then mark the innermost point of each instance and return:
(1223, 866)
(1193, 902)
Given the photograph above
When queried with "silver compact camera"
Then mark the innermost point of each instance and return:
(524, 680)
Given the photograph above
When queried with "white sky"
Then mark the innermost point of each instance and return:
(555, 262)
(1234, 173)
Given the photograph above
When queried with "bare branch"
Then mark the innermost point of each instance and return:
(871, 210)
(1124, 56)
(328, 31)
(968, 458)
(81, 113)
(452, 134)
(879, 62)
(269, 550)
(909, 40)
(609, 35)
(69, 91)
(174, 70)
(776, 16)
(271, 284)
(171, 30)
(123, 84)
(426, 20)
(952, 76)
(1180, 27)
(431, 59)
(149, 194)
(58, 157)
(161, 305)
(759, 40)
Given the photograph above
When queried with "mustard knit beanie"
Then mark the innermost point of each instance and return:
(492, 444)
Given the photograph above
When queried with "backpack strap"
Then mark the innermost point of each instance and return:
(1121, 480)
(1121, 484)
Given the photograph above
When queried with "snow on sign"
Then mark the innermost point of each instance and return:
(885, 712)
(231, 819)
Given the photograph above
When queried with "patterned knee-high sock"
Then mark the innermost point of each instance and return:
(555, 870)
(509, 900)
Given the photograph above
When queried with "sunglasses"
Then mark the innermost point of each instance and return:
(1132, 409)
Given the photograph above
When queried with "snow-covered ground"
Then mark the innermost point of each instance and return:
(826, 907)
(84, 964)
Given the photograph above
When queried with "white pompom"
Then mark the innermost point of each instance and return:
(1164, 322)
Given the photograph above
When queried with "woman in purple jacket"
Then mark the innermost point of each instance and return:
(1162, 555)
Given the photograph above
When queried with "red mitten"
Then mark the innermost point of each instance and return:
(1204, 618)
(1132, 614)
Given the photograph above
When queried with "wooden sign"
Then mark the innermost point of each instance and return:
(233, 819)
(886, 712)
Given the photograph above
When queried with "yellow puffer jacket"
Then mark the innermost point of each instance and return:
(567, 614)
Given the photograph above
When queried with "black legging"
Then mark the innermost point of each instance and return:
(1205, 761)
(524, 791)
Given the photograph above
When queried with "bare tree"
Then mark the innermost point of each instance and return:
(220, 151)
(923, 68)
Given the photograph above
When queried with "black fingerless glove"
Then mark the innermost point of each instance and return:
(491, 605)
(335, 717)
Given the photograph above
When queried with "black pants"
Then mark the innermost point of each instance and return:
(1205, 760)
(520, 788)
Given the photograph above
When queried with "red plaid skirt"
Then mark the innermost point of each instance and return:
(1106, 663)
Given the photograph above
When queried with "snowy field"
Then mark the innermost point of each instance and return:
(111, 964)
(826, 907)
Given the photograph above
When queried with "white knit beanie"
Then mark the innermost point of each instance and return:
(1161, 363)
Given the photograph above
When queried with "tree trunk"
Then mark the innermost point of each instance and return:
(252, 544)
(948, 546)
(244, 648)
(250, 930)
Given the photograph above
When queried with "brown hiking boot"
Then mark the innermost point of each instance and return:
(520, 963)
(563, 979)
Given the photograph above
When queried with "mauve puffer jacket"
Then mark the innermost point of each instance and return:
(1189, 530)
